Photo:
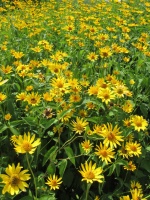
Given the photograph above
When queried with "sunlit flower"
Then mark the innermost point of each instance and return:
(139, 123)
(130, 166)
(136, 185)
(90, 173)
(137, 194)
(26, 143)
(21, 97)
(33, 99)
(92, 56)
(7, 116)
(111, 135)
(133, 148)
(14, 179)
(125, 198)
(2, 97)
(86, 145)
(104, 152)
(54, 182)
(79, 125)
(106, 95)
(105, 52)
(127, 107)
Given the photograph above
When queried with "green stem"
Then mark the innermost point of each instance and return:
(87, 191)
(32, 175)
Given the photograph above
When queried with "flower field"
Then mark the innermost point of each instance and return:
(74, 100)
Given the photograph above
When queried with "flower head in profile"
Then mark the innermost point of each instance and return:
(130, 166)
(54, 182)
(125, 198)
(26, 143)
(14, 179)
(139, 123)
(90, 173)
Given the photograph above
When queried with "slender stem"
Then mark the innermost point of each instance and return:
(87, 191)
(32, 175)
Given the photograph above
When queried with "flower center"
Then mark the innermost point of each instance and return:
(133, 148)
(120, 91)
(105, 54)
(14, 180)
(60, 85)
(26, 146)
(54, 183)
(139, 124)
(111, 137)
(106, 96)
(90, 175)
(104, 153)
(33, 100)
(79, 127)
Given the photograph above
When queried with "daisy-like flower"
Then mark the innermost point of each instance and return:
(106, 95)
(127, 107)
(123, 152)
(21, 97)
(80, 125)
(33, 99)
(136, 185)
(104, 152)
(54, 182)
(111, 135)
(137, 194)
(86, 146)
(2, 97)
(7, 116)
(92, 56)
(139, 123)
(14, 179)
(125, 198)
(25, 143)
(130, 166)
(90, 173)
(133, 148)
(105, 52)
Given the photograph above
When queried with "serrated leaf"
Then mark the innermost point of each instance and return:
(50, 154)
(62, 167)
(70, 154)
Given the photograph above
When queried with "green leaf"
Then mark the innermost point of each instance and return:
(62, 167)
(51, 168)
(50, 155)
(48, 197)
(148, 148)
(50, 123)
(15, 123)
(144, 109)
(30, 121)
(111, 170)
(27, 198)
(70, 154)
(14, 130)
(3, 128)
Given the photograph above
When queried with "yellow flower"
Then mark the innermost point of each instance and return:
(7, 116)
(2, 97)
(21, 97)
(3, 81)
(105, 52)
(54, 182)
(106, 95)
(136, 185)
(87, 146)
(125, 198)
(130, 166)
(111, 135)
(90, 173)
(137, 194)
(133, 148)
(127, 107)
(92, 56)
(14, 179)
(139, 123)
(105, 153)
(26, 143)
(33, 99)
(80, 125)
